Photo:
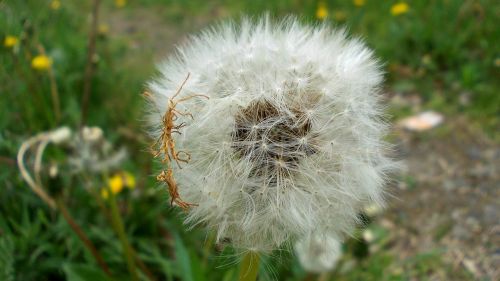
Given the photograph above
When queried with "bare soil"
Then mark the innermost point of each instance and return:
(450, 199)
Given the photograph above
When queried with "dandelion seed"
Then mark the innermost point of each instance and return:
(10, 41)
(359, 3)
(55, 5)
(289, 147)
(322, 11)
(399, 9)
(41, 62)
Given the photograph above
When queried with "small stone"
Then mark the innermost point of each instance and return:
(470, 266)
(422, 122)
(460, 232)
(491, 214)
(474, 152)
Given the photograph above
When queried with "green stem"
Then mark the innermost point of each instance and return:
(106, 213)
(325, 276)
(207, 248)
(82, 236)
(120, 229)
(249, 267)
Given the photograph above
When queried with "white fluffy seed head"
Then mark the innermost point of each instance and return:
(289, 140)
(318, 253)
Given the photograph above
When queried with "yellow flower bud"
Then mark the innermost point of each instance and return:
(55, 5)
(115, 184)
(10, 41)
(359, 3)
(104, 193)
(41, 62)
(129, 180)
(103, 29)
(120, 3)
(399, 9)
(322, 11)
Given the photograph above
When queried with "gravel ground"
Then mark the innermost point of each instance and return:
(449, 199)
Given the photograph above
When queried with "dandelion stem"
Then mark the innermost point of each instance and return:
(79, 232)
(209, 243)
(89, 68)
(120, 229)
(249, 267)
(106, 213)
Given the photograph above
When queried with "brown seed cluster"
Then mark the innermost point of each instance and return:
(273, 140)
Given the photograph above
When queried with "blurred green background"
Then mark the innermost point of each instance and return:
(442, 219)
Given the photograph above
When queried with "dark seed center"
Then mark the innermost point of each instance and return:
(273, 139)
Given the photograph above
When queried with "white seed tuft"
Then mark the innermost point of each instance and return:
(289, 141)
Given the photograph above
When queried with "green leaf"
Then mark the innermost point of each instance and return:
(183, 259)
(82, 272)
(6, 258)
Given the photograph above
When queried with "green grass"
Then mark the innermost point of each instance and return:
(439, 50)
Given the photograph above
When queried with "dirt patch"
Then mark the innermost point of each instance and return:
(450, 198)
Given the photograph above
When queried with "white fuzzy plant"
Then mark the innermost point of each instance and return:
(318, 253)
(289, 141)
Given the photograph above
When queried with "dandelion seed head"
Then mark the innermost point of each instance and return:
(290, 145)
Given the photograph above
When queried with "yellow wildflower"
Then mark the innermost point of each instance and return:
(359, 3)
(103, 29)
(120, 3)
(497, 62)
(322, 11)
(117, 182)
(104, 193)
(41, 62)
(10, 41)
(129, 180)
(55, 5)
(399, 9)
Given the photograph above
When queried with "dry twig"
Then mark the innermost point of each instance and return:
(166, 144)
